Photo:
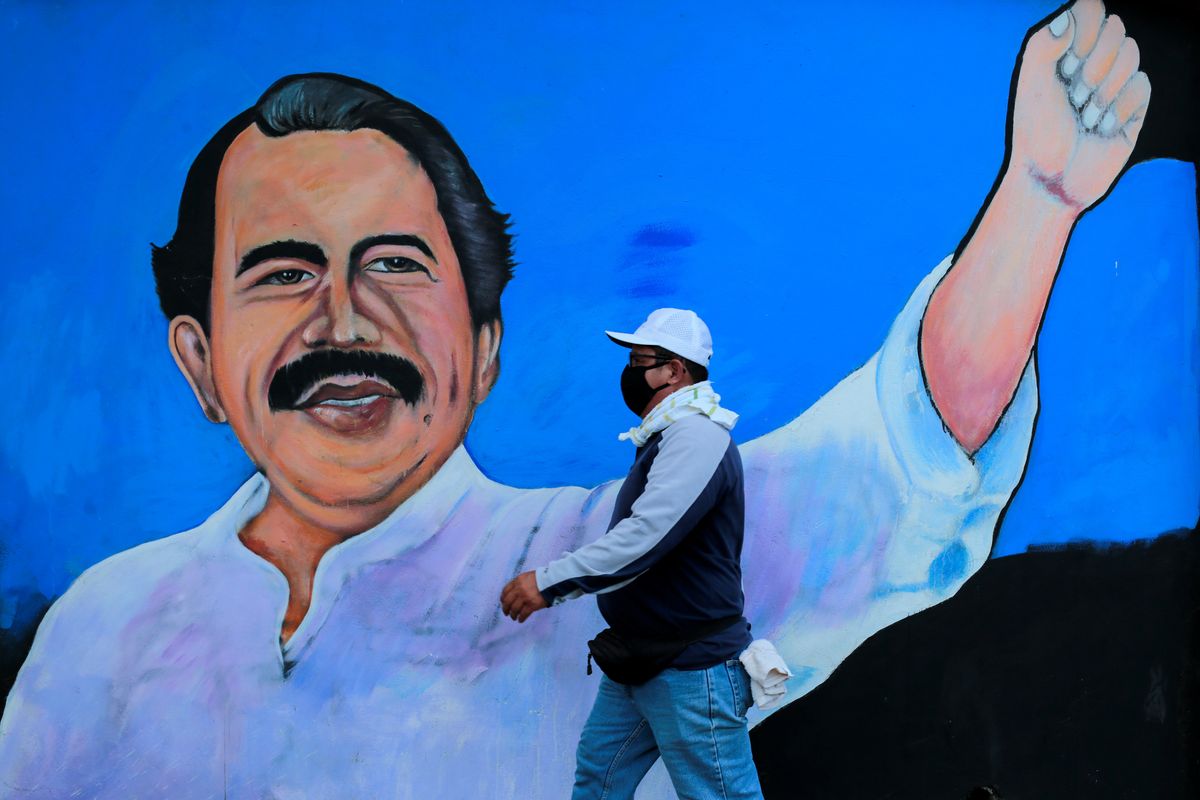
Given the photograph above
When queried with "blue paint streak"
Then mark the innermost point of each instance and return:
(949, 567)
(663, 237)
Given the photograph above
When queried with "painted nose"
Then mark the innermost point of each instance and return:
(340, 322)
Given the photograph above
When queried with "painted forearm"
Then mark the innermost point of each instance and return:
(983, 318)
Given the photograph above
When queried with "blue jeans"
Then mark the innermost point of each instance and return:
(694, 719)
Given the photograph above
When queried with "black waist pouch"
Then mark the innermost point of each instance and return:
(633, 661)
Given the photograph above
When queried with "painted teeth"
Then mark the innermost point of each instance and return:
(357, 401)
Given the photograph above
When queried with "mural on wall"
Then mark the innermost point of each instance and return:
(332, 296)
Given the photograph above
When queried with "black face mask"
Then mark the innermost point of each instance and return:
(635, 390)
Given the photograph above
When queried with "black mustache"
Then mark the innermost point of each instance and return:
(295, 378)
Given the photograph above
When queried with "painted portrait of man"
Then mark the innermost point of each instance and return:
(332, 293)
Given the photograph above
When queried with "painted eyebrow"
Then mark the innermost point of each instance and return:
(290, 248)
(398, 239)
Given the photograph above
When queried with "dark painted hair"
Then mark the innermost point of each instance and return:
(328, 102)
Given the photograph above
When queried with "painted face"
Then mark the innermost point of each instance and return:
(341, 346)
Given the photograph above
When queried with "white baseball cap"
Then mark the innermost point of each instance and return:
(676, 329)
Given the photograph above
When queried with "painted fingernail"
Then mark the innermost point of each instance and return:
(1059, 26)
(1080, 93)
(1091, 115)
(1109, 123)
(1070, 62)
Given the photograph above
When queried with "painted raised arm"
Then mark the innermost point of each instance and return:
(1078, 104)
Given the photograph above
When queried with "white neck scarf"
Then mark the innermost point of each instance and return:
(699, 398)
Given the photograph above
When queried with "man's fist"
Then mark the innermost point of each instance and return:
(521, 597)
(1080, 102)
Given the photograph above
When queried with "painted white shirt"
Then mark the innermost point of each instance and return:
(160, 674)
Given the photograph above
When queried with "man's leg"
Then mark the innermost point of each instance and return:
(699, 722)
(616, 748)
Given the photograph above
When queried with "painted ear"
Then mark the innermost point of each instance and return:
(487, 358)
(189, 346)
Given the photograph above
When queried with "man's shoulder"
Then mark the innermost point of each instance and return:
(698, 428)
(697, 448)
(124, 579)
(140, 569)
(150, 559)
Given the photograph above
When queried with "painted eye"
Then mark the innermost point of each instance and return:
(285, 277)
(395, 264)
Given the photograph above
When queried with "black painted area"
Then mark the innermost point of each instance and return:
(1168, 37)
(17, 637)
(1054, 674)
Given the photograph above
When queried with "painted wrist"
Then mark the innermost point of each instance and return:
(1033, 190)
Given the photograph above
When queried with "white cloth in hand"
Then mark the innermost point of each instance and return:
(767, 671)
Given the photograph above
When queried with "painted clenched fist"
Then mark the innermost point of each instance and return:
(1080, 102)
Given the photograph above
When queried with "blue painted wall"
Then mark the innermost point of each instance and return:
(790, 174)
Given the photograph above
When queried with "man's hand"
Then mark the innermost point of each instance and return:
(521, 597)
(1080, 102)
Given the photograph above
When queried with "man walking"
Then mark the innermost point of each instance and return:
(668, 579)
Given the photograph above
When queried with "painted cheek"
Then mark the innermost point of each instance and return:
(239, 371)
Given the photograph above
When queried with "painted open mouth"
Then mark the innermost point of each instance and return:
(350, 405)
(346, 391)
(344, 379)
